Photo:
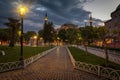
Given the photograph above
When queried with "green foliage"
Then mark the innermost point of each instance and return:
(87, 34)
(48, 32)
(62, 34)
(71, 34)
(28, 35)
(4, 34)
(13, 53)
(102, 33)
(79, 55)
(40, 33)
(91, 34)
(13, 26)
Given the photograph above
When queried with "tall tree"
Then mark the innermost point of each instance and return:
(103, 35)
(13, 26)
(84, 37)
(87, 34)
(48, 32)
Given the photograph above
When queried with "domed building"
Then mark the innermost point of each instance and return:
(113, 26)
(69, 25)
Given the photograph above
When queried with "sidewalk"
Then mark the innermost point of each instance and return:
(54, 66)
(100, 53)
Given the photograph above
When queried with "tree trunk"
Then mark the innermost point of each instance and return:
(106, 54)
(12, 38)
(11, 44)
(86, 50)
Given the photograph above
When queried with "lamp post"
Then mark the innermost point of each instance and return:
(22, 11)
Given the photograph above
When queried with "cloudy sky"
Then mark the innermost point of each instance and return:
(59, 11)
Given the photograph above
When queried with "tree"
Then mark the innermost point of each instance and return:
(62, 34)
(95, 34)
(4, 35)
(40, 33)
(84, 37)
(103, 34)
(28, 35)
(71, 35)
(13, 26)
(48, 32)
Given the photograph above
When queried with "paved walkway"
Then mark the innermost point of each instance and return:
(98, 52)
(54, 66)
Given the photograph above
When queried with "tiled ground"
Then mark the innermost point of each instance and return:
(54, 66)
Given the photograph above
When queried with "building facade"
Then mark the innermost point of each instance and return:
(113, 25)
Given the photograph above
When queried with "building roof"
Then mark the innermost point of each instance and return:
(118, 8)
(108, 21)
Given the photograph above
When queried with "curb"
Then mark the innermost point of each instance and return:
(71, 57)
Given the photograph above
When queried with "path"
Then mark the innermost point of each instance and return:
(112, 57)
(54, 66)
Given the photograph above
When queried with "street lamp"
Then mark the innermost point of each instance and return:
(22, 10)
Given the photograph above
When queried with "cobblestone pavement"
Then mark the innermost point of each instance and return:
(54, 66)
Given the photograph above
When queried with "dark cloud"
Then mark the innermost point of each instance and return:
(65, 10)
(59, 12)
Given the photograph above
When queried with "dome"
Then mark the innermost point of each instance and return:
(118, 8)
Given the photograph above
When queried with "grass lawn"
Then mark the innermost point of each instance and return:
(13, 54)
(79, 55)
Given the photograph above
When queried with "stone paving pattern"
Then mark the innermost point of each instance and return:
(54, 66)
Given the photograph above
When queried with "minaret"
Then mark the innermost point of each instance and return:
(46, 18)
(90, 20)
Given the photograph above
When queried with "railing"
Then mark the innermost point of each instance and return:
(108, 73)
(99, 70)
(10, 66)
(36, 57)
(16, 65)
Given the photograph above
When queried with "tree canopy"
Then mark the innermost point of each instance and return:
(28, 35)
(48, 32)
(13, 26)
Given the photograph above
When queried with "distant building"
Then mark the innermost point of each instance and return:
(46, 19)
(91, 20)
(113, 26)
(69, 25)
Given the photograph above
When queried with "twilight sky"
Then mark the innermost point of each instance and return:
(59, 11)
